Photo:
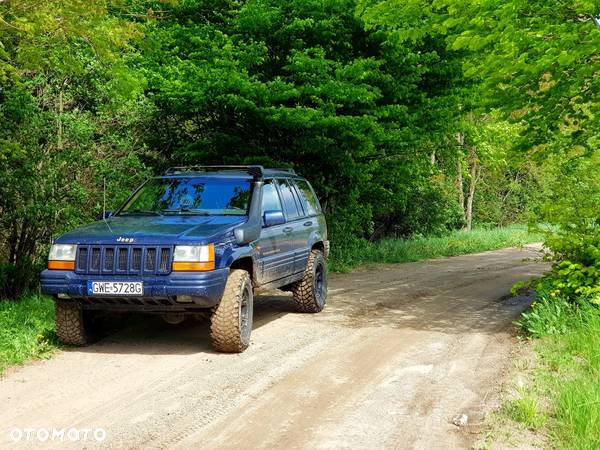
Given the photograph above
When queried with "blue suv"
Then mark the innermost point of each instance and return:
(195, 240)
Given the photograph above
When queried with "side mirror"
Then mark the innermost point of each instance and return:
(273, 217)
(106, 215)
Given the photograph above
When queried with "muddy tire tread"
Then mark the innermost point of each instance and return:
(303, 290)
(70, 326)
(225, 330)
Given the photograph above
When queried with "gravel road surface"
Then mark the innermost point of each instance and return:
(399, 351)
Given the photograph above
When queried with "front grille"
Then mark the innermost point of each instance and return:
(150, 259)
(165, 259)
(109, 260)
(123, 260)
(95, 260)
(82, 256)
(136, 261)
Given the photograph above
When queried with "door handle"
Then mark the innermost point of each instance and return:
(308, 224)
(288, 230)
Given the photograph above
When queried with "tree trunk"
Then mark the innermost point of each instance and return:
(475, 172)
(459, 187)
(460, 138)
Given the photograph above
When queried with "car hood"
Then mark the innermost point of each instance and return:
(152, 230)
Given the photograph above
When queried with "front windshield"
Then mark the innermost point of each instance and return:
(190, 196)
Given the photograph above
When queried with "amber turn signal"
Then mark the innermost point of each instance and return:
(61, 265)
(193, 266)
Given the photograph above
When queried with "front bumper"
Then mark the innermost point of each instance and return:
(204, 288)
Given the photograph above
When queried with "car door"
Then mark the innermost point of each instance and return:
(310, 223)
(275, 253)
(294, 213)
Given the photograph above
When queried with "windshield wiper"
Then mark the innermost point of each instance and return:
(186, 210)
(143, 211)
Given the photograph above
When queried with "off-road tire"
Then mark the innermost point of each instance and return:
(70, 324)
(228, 332)
(306, 295)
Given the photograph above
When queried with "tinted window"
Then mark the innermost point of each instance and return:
(270, 198)
(310, 202)
(290, 206)
(191, 195)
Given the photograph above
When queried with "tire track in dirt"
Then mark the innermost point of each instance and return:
(398, 351)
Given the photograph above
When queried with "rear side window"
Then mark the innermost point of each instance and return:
(270, 198)
(310, 202)
(290, 200)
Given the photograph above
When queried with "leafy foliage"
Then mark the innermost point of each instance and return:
(538, 62)
(71, 113)
(365, 98)
(308, 85)
(549, 315)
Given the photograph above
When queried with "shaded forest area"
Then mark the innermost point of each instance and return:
(409, 117)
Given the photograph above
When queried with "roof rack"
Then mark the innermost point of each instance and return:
(256, 171)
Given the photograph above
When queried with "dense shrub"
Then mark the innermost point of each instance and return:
(555, 314)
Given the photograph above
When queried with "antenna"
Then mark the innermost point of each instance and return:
(104, 204)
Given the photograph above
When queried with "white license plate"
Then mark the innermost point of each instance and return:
(135, 288)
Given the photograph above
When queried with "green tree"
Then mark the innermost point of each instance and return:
(69, 106)
(538, 62)
(311, 85)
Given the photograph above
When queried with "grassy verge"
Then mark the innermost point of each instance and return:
(569, 376)
(558, 400)
(357, 253)
(26, 330)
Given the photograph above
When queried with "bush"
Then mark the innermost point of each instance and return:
(574, 281)
(18, 278)
(569, 294)
(26, 330)
(552, 314)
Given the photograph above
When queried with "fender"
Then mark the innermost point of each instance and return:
(320, 234)
(314, 238)
(243, 252)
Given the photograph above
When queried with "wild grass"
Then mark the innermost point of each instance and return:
(568, 370)
(525, 409)
(345, 257)
(570, 374)
(26, 330)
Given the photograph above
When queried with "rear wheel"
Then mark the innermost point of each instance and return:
(71, 324)
(231, 321)
(310, 293)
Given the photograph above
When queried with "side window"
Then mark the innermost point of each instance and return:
(311, 204)
(270, 198)
(290, 202)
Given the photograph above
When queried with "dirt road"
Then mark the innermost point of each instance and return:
(399, 351)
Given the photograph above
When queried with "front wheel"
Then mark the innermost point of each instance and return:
(231, 321)
(71, 325)
(310, 293)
